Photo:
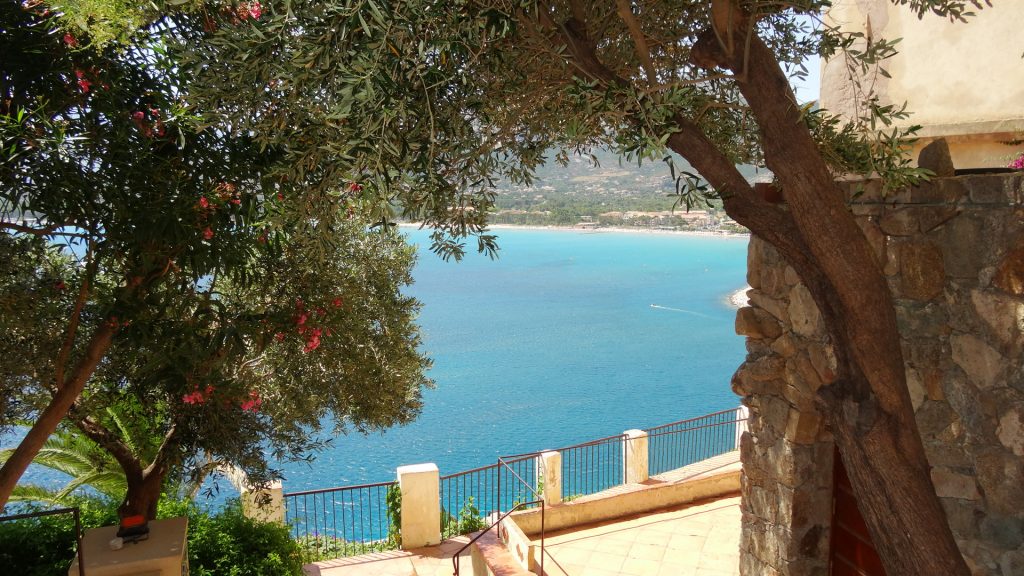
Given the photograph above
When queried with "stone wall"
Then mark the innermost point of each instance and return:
(953, 252)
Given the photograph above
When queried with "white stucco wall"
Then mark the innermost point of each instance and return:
(963, 81)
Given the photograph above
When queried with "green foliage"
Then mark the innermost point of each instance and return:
(468, 520)
(247, 309)
(393, 501)
(45, 546)
(229, 544)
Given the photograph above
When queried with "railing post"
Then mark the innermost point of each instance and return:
(551, 474)
(634, 456)
(421, 505)
(742, 417)
(266, 505)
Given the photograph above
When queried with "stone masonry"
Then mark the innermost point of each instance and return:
(953, 253)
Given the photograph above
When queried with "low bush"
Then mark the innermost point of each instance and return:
(224, 543)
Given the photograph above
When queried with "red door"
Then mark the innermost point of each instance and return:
(852, 553)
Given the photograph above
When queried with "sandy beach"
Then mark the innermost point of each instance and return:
(739, 299)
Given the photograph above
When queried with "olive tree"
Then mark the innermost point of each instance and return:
(431, 102)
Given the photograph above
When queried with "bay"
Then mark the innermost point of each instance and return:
(569, 336)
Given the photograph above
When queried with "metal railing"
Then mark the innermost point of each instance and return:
(337, 522)
(679, 444)
(593, 466)
(78, 528)
(523, 469)
(467, 498)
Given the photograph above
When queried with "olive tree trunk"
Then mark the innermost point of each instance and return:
(868, 405)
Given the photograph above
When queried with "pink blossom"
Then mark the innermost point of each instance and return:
(279, 336)
(253, 403)
(336, 302)
(204, 203)
(255, 10)
(195, 397)
(311, 344)
(70, 40)
(207, 233)
(83, 82)
(301, 319)
(1018, 163)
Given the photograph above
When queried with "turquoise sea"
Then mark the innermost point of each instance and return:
(569, 336)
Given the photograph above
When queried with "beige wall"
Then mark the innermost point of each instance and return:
(962, 81)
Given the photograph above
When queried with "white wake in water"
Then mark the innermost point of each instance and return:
(671, 309)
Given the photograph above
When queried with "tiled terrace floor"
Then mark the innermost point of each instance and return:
(695, 540)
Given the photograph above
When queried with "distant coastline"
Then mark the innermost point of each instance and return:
(612, 229)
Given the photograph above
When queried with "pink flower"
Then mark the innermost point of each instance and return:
(336, 302)
(255, 10)
(70, 41)
(195, 397)
(138, 115)
(236, 201)
(279, 336)
(311, 344)
(204, 203)
(83, 82)
(207, 233)
(253, 403)
(354, 187)
(301, 319)
(1018, 164)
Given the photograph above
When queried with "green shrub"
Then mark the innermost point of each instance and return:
(45, 546)
(229, 544)
(222, 544)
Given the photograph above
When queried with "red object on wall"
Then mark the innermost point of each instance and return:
(852, 552)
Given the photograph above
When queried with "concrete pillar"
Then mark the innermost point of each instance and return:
(266, 505)
(634, 454)
(743, 413)
(551, 473)
(421, 505)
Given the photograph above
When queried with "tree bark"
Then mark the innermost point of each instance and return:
(145, 485)
(868, 405)
(65, 396)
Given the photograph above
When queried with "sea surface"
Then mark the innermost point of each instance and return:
(568, 336)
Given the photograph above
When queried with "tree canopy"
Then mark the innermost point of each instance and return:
(158, 263)
(430, 102)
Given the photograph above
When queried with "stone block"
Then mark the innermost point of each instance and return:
(1003, 315)
(773, 306)
(965, 238)
(951, 484)
(802, 427)
(784, 346)
(823, 359)
(804, 313)
(1010, 430)
(1000, 476)
(1009, 275)
(922, 273)
(990, 189)
(756, 323)
(1011, 563)
(899, 222)
(982, 363)
(963, 517)
(935, 157)
(932, 217)
(1006, 532)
